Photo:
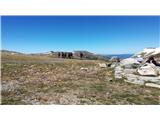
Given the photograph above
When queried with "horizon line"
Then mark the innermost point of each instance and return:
(66, 51)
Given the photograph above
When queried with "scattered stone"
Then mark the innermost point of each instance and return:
(152, 85)
(85, 69)
(102, 65)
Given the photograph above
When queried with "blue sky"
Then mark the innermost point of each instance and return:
(98, 34)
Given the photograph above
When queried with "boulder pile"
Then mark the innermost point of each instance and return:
(133, 71)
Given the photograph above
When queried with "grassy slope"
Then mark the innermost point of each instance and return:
(17, 57)
(65, 83)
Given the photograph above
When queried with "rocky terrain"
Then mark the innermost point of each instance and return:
(36, 80)
(147, 52)
(142, 73)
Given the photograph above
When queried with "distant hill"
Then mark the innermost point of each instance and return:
(43, 54)
(10, 52)
(89, 55)
(76, 54)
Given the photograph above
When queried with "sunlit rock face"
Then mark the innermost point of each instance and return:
(137, 71)
(148, 70)
(147, 52)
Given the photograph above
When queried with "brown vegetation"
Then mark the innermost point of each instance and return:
(45, 80)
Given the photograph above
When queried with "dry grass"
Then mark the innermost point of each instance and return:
(65, 83)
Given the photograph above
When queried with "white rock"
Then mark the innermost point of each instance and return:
(118, 72)
(131, 78)
(118, 68)
(85, 69)
(130, 71)
(135, 81)
(129, 61)
(152, 85)
(158, 69)
(148, 69)
(139, 59)
(113, 65)
(118, 76)
(102, 65)
(148, 52)
(150, 79)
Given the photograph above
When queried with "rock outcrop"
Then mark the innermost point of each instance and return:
(148, 70)
(137, 72)
(147, 52)
(130, 63)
